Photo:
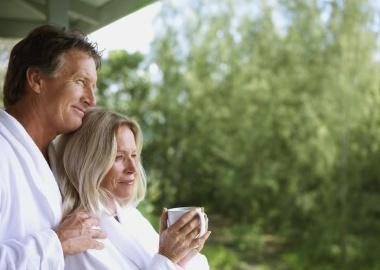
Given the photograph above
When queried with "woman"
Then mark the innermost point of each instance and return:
(100, 171)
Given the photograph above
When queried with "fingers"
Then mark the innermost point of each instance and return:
(196, 244)
(90, 239)
(78, 215)
(88, 243)
(81, 215)
(193, 225)
(93, 232)
(79, 232)
(199, 242)
(163, 220)
(182, 221)
(206, 219)
(98, 234)
(90, 222)
(97, 245)
(76, 226)
(205, 237)
(80, 220)
(193, 234)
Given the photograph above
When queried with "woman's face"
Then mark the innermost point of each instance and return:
(120, 179)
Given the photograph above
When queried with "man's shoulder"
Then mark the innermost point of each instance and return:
(5, 164)
(6, 149)
(7, 157)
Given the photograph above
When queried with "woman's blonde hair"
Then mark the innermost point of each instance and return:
(86, 155)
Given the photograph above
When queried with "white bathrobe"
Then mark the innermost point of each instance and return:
(131, 244)
(30, 203)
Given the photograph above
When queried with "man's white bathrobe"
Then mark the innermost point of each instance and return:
(132, 244)
(30, 202)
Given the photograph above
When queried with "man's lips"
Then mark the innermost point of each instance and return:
(80, 110)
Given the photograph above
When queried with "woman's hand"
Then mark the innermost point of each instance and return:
(178, 242)
(202, 240)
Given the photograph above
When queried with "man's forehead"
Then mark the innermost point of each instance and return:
(70, 62)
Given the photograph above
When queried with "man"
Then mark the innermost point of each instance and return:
(50, 83)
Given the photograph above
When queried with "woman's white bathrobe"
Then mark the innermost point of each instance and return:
(30, 202)
(131, 244)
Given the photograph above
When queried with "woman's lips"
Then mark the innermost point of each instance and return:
(127, 182)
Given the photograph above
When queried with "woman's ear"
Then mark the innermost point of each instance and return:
(33, 79)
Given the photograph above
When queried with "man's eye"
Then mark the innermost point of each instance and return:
(81, 82)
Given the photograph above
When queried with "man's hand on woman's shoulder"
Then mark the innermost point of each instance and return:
(78, 232)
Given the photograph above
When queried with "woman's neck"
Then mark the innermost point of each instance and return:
(111, 206)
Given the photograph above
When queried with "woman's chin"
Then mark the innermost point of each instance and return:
(124, 198)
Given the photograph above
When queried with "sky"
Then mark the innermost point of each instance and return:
(132, 33)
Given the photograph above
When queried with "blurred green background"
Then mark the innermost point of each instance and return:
(267, 114)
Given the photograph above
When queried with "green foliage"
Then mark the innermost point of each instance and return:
(5, 48)
(268, 116)
(221, 258)
(122, 85)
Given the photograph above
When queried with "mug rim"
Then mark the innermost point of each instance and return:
(184, 208)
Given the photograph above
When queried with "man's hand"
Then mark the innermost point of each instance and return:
(78, 232)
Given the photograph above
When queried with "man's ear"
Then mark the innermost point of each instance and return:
(34, 79)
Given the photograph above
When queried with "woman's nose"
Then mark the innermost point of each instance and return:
(130, 165)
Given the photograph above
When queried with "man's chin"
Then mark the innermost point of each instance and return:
(74, 125)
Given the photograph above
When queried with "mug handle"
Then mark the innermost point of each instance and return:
(202, 221)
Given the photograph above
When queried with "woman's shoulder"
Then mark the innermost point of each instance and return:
(131, 213)
(105, 259)
(133, 219)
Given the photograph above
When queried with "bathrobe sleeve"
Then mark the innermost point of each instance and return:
(26, 239)
(41, 250)
(159, 262)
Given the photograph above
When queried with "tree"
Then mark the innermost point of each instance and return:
(266, 113)
(5, 48)
(275, 115)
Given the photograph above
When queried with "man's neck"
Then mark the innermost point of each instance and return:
(34, 123)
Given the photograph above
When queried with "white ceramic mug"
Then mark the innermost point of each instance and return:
(175, 213)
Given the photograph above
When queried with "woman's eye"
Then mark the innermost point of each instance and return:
(119, 157)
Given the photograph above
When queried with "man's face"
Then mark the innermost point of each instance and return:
(69, 91)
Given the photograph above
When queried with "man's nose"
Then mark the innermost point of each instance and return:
(90, 98)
